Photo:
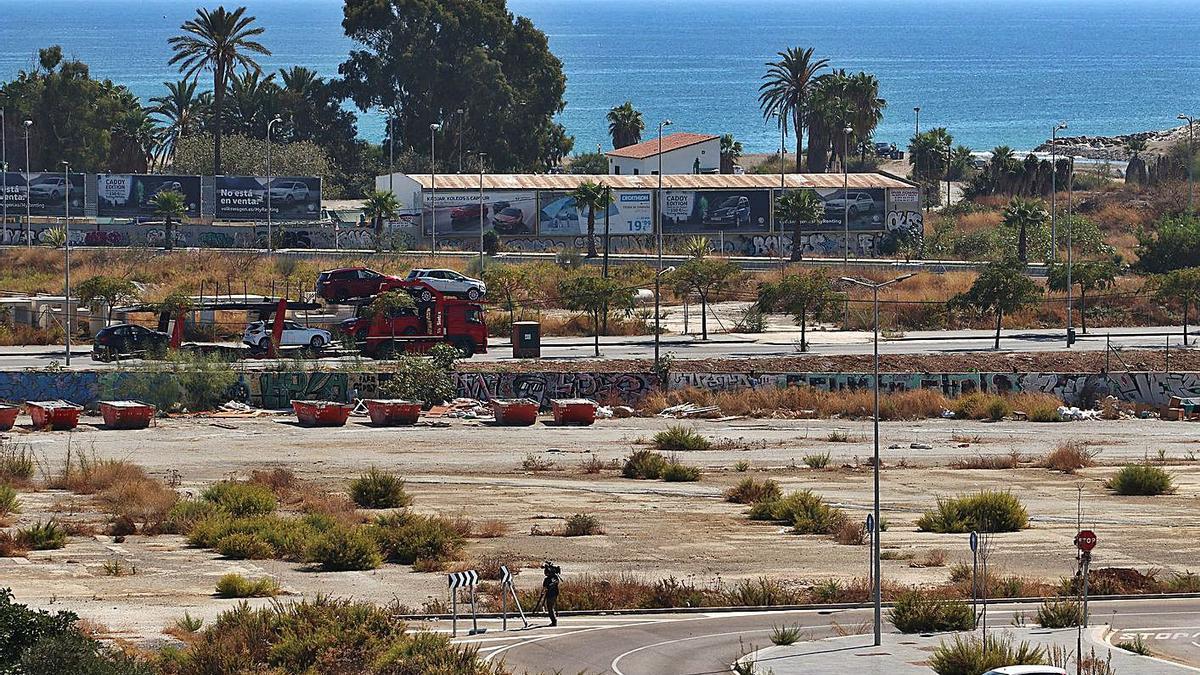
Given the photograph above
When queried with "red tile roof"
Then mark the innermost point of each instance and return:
(670, 142)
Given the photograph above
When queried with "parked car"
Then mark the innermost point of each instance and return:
(167, 186)
(450, 283)
(403, 321)
(860, 202)
(258, 334)
(350, 282)
(510, 220)
(733, 211)
(289, 191)
(467, 215)
(127, 339)
(48, 187)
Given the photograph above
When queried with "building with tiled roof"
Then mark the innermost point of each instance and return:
(682, 153)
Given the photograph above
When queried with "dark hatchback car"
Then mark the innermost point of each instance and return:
(350, 282)
(127, 339)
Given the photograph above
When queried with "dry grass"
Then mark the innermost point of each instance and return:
(141, 503)
(850, 533)
(978, 221)
(1069, 457)
(84, 473)
(995, 462)
(804, 401)
(491, 529)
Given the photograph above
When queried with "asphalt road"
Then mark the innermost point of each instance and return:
(695, 644)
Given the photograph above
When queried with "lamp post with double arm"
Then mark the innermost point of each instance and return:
(67, 254)
(658, 231)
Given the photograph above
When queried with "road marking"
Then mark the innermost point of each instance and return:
(618, 671)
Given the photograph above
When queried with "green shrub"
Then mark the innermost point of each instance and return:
(972, 406)
(238, 586)
(987, 511)
(405, 539)
(678, 472)
(290, 538)
(968, 655)
(644, 465)
(36, 642)
(1059, 614)
(183, 380)
(245, 546)
(240, 499)
(1141, 480)
(786, 635)
(419, 378)
(42, 536)
(377, 489)
(8, 502)
(341, 550)
(749, 490)
(677, 438)
(187, 513)
(582, 525)
(16, 463)
(805, 511)
(1137, 645)
(817, 461)
(998, 408)
(914, 613)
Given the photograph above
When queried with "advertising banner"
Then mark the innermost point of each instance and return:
(506, 212)
(865, 210)
(629, 213)
(131, 196)
(712, 210)
(904, 211)
(245, 198)
(47, 193)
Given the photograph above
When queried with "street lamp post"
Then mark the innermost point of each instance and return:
(458, 128)
(270, 229)
(4, 167)
(877, 586)
(947, 174)
(846, 195)
(433, 129)
(28, 227)
(658, 231)
(481, 156)
(782, 150)
(1054, 189)
(391, 153)
(1191, 159)
(917, 132)
(1070, 256)
(67, 254)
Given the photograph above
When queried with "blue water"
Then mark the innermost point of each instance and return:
(992, 71)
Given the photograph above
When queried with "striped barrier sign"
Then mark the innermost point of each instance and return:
(457, 580)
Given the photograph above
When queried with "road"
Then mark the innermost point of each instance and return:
(708, 643)
(776, 343)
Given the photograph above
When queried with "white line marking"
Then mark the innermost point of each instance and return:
(618, 671)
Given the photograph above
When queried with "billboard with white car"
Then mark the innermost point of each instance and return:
(47, 193)
(245, 197)
(132, 196)
(629, 213)
(863, 210)
(686, 211)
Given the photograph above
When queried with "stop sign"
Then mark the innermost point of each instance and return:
(1085, 540)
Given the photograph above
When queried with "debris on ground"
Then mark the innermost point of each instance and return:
(691, 410)
(920, 446)
(1071, 413)
(604, 412)
(463, 408)
(237, 409)
(623, 411)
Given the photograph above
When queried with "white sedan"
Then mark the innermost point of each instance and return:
(258, 334)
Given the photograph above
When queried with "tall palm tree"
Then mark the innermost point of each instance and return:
(1024, 215)
(253, 102)
(829, 112)
(180, 110)
(625, 125)
(171, 206)
(785, 89)
(298, 79)
(863, 92)
(593, 197)
(135, 140)
(380, 207)
(800, 207)
(731, 152)
(219, 41)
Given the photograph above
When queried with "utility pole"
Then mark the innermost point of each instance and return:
(28, 226)
(659, 233)
(433, 129)
(67, 254)
(1054, 189)
(270, 230)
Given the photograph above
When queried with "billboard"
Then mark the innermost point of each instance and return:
(130, 195)
(863, 210)
(245, 198)
(507, 212)
(630, 213)
(47, 193)
(716, 210)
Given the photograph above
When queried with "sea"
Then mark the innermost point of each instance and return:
(991, 71)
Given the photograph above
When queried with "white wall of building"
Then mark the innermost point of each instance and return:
(681, 160)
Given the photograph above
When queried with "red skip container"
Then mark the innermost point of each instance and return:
(393, 412)
(573, 411)
(322, 413)
(515, 412)
(56, 415)
(8, 416)
(126, 414)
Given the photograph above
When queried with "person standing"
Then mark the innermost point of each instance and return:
(550, 587)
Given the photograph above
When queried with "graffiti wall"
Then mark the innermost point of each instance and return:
(201, 236)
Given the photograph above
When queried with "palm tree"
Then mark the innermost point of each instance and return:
(1024, 215)
(829, 112)
(593, 197)
(1001, 167)
(299, 79)
(863, 92)
(379, 207)
(785, 88)
(253, 103)
(219, 41)
(731, 152)
(799, 206)
(172, 207)
(180, 109)
(625, 125)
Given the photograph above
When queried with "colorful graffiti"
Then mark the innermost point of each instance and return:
(542, 387)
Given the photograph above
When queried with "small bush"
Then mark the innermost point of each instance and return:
(785, 635)
(850, 533)
(184, 514)
(1141, 480)
(406, 539)
(534, 463)
(805, 511)
(817, 461)
(992, 462)
(377, 489)
(1068, 457)
(750, 490)
(987, 511)
(644, 465)
(1137, 645)
(1038, 407)
(238, 586)
(678, 438)
(839, 436)
(491, 529)
(245, 546)
(142, 501)
(16, 463)
(968, 655)
(290, 537)
(240, 499)
(341, 550)
(742, 466)
(997, 409)
(582, 525)
(8, 503)
(678, 472)
(916, 613)
(85, 475)
(42, 536)
(1059, 614)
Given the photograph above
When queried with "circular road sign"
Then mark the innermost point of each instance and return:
(1085, 540)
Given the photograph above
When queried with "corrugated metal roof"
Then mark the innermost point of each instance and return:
(567, 181)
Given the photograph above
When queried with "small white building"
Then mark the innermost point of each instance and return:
(681, 153)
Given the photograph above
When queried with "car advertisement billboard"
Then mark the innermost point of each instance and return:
(245, 198)
(630, 213)
(506, 212)
(47, 193)
(131, 196)
(862, 210)
(713, 210)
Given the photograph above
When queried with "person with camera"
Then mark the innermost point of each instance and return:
(550, 589)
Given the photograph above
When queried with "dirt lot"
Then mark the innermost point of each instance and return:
(652, 528)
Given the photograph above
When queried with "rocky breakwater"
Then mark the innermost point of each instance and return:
(1114, 148)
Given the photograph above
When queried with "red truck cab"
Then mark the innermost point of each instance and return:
(459, 323)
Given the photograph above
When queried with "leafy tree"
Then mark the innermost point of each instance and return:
(505, 284)
(927, 155)
(705, 277)
(426, 60)
(596, 296)
(800, 207)
(420, 378)
(390, 303)
(594, 163)
(172, 206)
(593, 197)
(380, 207)
(1021, 216)
(106, 291)
(245, 156)
(1088, 275)
(785, 89)
(802, 295)
(1180, 285)
(731, 152)
(1172, 244)
(625, 125)
(1001, 288)
(222, 42)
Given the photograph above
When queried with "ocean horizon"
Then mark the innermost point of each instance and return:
(999, 72)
